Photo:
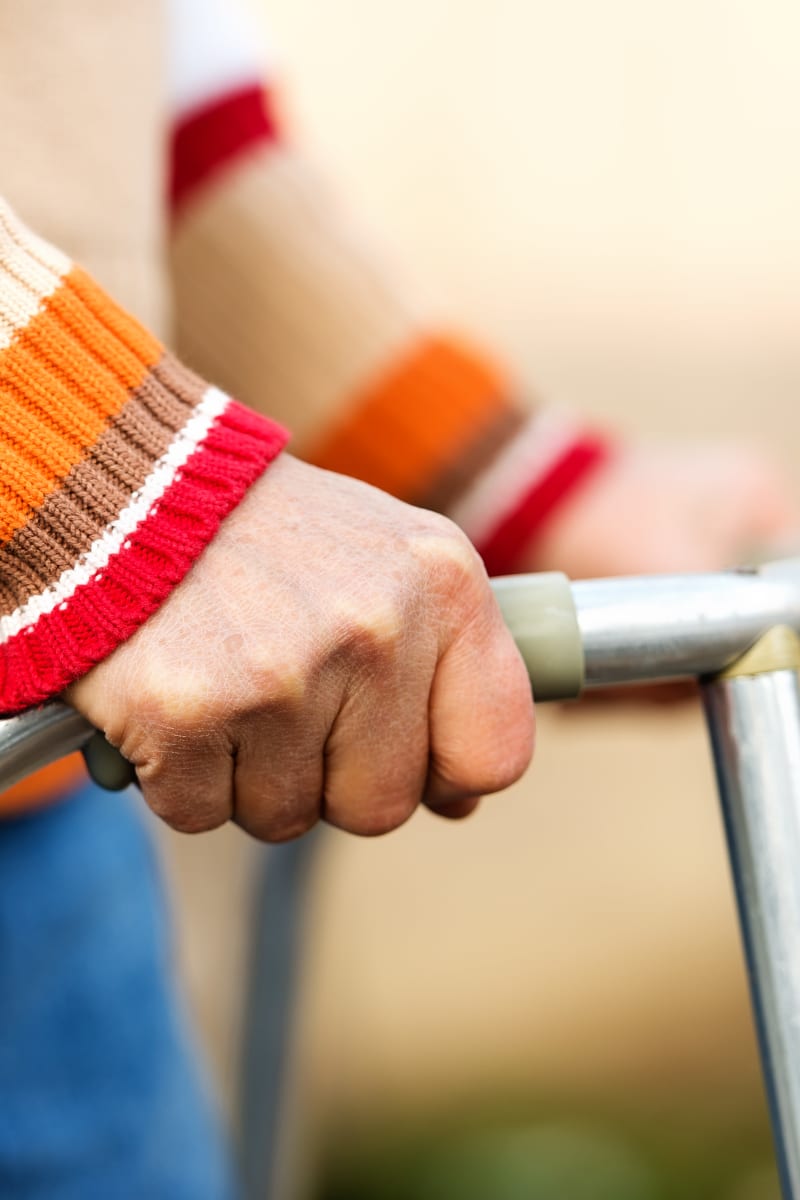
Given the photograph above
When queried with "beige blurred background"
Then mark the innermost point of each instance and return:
(608, 195)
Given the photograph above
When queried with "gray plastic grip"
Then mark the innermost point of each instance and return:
(540, 613)
(106, 765)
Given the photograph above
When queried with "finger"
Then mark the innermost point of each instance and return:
(377, 759)
(454, 810)
(481, 715)
(181, 758)
(279, 777)
(189, 785)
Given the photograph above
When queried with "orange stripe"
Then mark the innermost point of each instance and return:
(63, 378)
(413, 423)
(44, 786)
(139, 341)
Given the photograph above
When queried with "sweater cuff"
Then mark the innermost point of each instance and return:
(509, 507)
(440, 428)
(117, 466)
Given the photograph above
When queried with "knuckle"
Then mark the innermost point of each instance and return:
(446, 548)
(381, 623)
(453, 571)
(371, 632)
(279, 681)
(175, 704)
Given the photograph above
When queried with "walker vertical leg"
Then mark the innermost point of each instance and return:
(753, 714)
(276, 940)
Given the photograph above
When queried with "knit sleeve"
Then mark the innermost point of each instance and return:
(117, 465)
(282, 298)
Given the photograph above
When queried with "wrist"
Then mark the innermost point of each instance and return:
(510, 510)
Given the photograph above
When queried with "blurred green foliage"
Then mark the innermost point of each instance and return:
(556, 1156)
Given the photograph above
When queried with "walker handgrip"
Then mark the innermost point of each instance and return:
(106, 765)
(540, 613)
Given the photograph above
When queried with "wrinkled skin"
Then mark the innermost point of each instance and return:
(657, 508)
(333, 653)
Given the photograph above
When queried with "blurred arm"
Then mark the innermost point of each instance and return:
(284, 301)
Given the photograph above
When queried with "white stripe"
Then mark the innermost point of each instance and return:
(30, 271)
(41, 251)
(114, 536)
(498, 489)
(213, 48)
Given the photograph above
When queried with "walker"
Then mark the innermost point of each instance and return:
(738, 632)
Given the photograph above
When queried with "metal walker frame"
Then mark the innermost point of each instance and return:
(739, 633)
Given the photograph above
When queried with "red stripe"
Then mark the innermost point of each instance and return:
(503, 548)
(214, 136)
(42, 660)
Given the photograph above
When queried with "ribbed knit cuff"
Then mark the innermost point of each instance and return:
(215, 135)
(425, 426)
(439, 427)
(509, 505)
(116, 467)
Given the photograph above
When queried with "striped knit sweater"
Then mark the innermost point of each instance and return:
(116, 462)
(116, 467)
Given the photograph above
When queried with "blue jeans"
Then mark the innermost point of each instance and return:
(101, 1094)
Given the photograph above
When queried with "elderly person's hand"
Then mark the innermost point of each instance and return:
(333, 653)
(662, 508)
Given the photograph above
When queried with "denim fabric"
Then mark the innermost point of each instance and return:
(101, 1096)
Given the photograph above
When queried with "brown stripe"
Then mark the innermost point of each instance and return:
(100, 486)
(472, 460)
(66, 375)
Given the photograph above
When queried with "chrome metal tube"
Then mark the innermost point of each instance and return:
(672, 626)
(754, 723)
(37, 738)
